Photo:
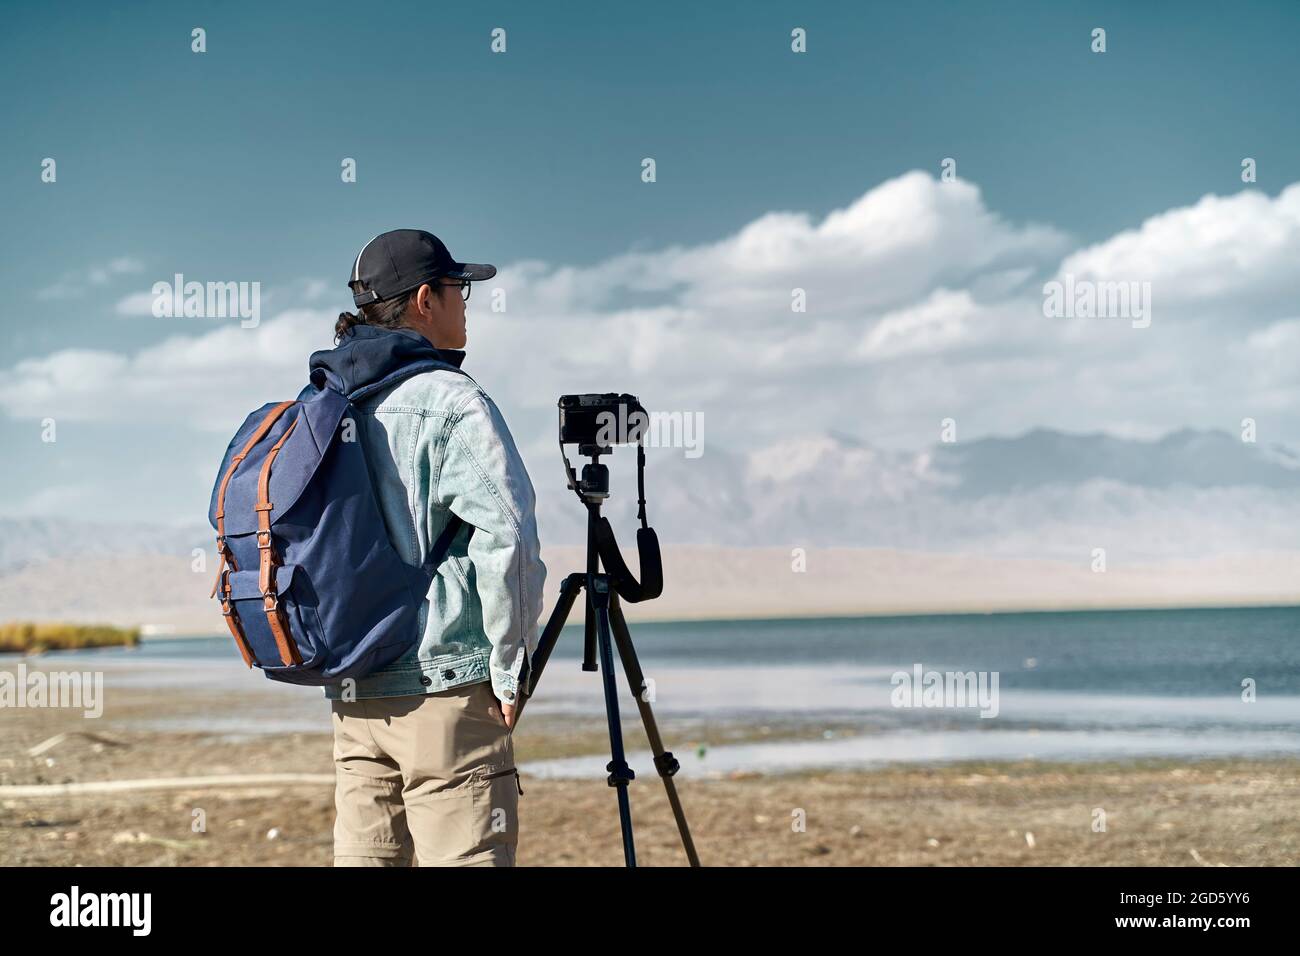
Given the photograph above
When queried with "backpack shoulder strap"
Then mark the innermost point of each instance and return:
(440, 547)
(443, 545)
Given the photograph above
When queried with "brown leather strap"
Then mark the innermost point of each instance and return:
(267, 424)
(268, 559)
(232, 620)
(226, 560)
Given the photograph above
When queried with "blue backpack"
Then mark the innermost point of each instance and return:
(311, 587)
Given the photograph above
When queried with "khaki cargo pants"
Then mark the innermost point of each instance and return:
(430, 777)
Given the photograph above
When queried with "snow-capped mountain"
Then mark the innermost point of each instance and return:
(1045, 493)
(1042, 494)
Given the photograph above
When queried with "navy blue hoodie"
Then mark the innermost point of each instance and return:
(367, 356)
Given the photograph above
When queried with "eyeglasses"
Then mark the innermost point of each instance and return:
(465, 286)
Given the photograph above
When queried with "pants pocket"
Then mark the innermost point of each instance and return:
(494, 822)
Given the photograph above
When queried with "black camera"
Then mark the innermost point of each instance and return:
(600, 421)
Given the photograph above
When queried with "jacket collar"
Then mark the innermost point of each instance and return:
(367, 356)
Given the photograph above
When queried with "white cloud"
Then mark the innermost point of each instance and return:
(940, 322)
(921, 304)
(73, 284)
(53, 501)
(1233, 257)
(717, 323)
(1280, 338)
(99, 275)
(136, 304)
(209, 381)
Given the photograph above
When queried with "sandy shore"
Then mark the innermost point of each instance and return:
(165, 594)
(1157, 812)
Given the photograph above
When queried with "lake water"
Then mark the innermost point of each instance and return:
(1072, 686)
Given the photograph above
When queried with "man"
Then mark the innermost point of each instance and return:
(422, 747)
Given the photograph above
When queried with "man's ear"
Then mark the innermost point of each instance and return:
(427, 299)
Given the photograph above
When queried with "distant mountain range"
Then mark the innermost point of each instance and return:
(25, 542)
(1043, 494)
(1195, 518)
(1187, 458)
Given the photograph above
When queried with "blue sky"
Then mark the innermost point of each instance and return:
(225, 166)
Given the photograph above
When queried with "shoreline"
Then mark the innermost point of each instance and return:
(148, 636)
(1157, 811)
(165, 596)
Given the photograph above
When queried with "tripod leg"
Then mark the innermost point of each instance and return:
(589, 640)
(569, 589)
(664, 761)
(593, 569)
(620, 774)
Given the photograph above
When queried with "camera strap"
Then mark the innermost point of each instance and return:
(628, 587)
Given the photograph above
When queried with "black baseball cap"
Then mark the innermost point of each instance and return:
(405, 259)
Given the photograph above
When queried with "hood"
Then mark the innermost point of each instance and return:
(367, 356)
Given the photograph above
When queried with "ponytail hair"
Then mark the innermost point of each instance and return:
(385, 314)
(343, 327)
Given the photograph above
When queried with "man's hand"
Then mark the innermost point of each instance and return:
(508, 714)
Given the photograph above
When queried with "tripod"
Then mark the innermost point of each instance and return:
(603, 616)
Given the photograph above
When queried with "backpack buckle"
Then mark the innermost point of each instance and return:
(263, 540)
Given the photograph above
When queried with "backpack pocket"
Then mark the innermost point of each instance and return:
(297, 602)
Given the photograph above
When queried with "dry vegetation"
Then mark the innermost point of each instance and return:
(32, 638)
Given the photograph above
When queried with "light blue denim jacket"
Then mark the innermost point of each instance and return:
(436, 445)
